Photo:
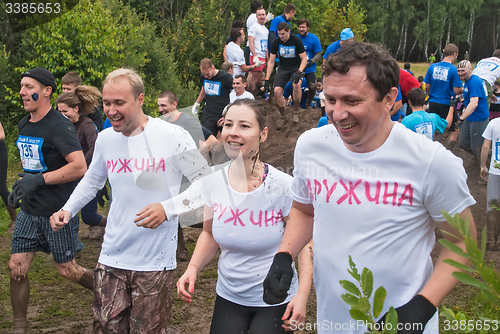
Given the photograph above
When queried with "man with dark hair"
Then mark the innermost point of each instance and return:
(384, 218)
(293, 60)
(488, 69)
(288, 14)
(476, 115)
(239, 89)
(441, 84)
(419, 120)
(215, 88)
(70, 81)
(312, 45)
(236, 56)
(237, 24)
(53, 162)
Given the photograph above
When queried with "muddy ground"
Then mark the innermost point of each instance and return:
(59, 306)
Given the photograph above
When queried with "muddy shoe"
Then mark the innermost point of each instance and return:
(173, 330)
(281, 123)
(96, 233)
(295, 117)
(20, 326)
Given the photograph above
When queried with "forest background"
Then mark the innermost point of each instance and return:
(165, 39)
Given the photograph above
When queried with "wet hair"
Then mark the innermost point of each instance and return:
(86, 98)
(226, 66)
(283, 26)
(71, 78)
(169, 95)
(235, 34)
(133, 78)
(382, 71)
(255, 5)
(450, 49)
(290, 8)
(302, 21)
(257, 107)
(238, 24)
(206, 63)
(496, 53)
(416, 96)
(242, 77)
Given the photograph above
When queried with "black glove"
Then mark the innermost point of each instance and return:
(266, 86)
(101, 195)
(417, 312)
(309, 63)
(278, 279)
(458, 124)
(296, 76)
(22, 187)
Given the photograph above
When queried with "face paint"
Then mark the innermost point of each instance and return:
(34, 96)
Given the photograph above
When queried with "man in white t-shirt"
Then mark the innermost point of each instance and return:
(239, 89)
(235, 54)
(134, 274)
(492, 176)
(257, 39)
(488, 69)
(366, 187)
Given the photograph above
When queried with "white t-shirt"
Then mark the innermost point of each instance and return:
(488, 69)
(492, 132)
(142, 169)
(260, 33)
(246, 95)
(250, 21)
(379, 207)
(248, 228)
(235, 55)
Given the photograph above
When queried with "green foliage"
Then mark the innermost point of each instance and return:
(490, 285)
(359, 300)
(460, 322)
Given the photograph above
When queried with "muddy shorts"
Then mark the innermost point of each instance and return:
(492, 192)
(33, 233)
(128, 301)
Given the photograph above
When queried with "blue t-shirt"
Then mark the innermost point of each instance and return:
(442, 77)
(424, 123)
(277, 20)
(312, 45)
(399, 114)
(475, 87)
(107, 124)
(332, 48)
(288, 91)
(322, 121)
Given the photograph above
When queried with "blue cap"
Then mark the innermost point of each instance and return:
(346, 34)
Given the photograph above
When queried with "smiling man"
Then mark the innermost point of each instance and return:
(369, 188)
(134, 273)
(53, 161)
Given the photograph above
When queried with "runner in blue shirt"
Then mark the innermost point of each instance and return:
(345, 35)
(288, 14)
(312, 45)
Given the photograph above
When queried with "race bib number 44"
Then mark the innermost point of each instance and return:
(30, 150)
(212, 87)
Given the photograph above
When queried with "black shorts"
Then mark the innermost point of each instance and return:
(442, 110)
(282, 77)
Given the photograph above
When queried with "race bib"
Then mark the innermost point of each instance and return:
(30, 150)
(287, 51)
(263, 45)
(212, 87)
(440, 73)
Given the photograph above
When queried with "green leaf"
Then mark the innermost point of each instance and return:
(391, 320)
(364, 304)
(367, 282)
(351, 300)
(483, 244)
(378, 301)
(447, 313)
(454, 248)
(358, 315)
(354, 271)
(467, 279)
(350, 287)
(459, 265)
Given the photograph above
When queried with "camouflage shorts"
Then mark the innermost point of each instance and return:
(128, 301)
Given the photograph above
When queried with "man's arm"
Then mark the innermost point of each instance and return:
(442, 281)
(251, 45)
(201, 96)
(270, 65)
(474, 101)
(73, 170)
(427, 88)
(484, 157)
(457, 90)
(303, 61)
(316, 57)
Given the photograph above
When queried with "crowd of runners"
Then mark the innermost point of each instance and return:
(363, 185)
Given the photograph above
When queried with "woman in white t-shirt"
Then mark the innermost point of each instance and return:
(247, 203)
